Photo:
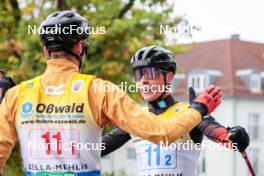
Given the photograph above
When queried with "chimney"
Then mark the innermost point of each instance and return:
(235, 37)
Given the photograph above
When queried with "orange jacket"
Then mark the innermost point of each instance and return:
(107, 108)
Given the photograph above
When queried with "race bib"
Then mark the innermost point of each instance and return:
(156, 157)
(57, 134)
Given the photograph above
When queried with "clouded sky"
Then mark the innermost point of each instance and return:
(221, 18)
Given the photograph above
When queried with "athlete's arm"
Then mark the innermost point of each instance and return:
(213, 130)
(116, 107)
(114, 140)
(8, 135)
(217, 132)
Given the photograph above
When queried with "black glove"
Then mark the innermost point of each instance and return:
(10, 81)
(239, 136)
(4, 84)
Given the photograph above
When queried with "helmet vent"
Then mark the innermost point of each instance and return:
(140, 55)
(70, 15)
(56, 14)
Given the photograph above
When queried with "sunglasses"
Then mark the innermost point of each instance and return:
(149, 73)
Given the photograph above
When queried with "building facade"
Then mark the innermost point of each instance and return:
(237, 67)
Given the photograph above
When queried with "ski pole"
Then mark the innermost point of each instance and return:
(244, 155)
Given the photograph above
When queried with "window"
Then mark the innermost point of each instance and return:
(198, 82)
(131, 153)
(254, 126)
(255, 83)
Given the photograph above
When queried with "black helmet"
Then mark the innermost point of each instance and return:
(62, 29)
(154, 56)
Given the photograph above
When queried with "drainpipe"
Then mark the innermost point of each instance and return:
(234, 122)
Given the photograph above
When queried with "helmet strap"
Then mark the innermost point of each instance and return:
(83, 54)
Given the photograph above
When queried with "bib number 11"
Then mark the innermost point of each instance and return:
(156, 151)
(54, 143)
(57, 136)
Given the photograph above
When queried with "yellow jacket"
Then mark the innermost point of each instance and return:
(107, 108)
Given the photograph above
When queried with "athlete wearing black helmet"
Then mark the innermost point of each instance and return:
(58, 116)
(151, 61)
(61, 31)
(151, 65)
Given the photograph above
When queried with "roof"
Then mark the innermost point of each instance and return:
(226, 56)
